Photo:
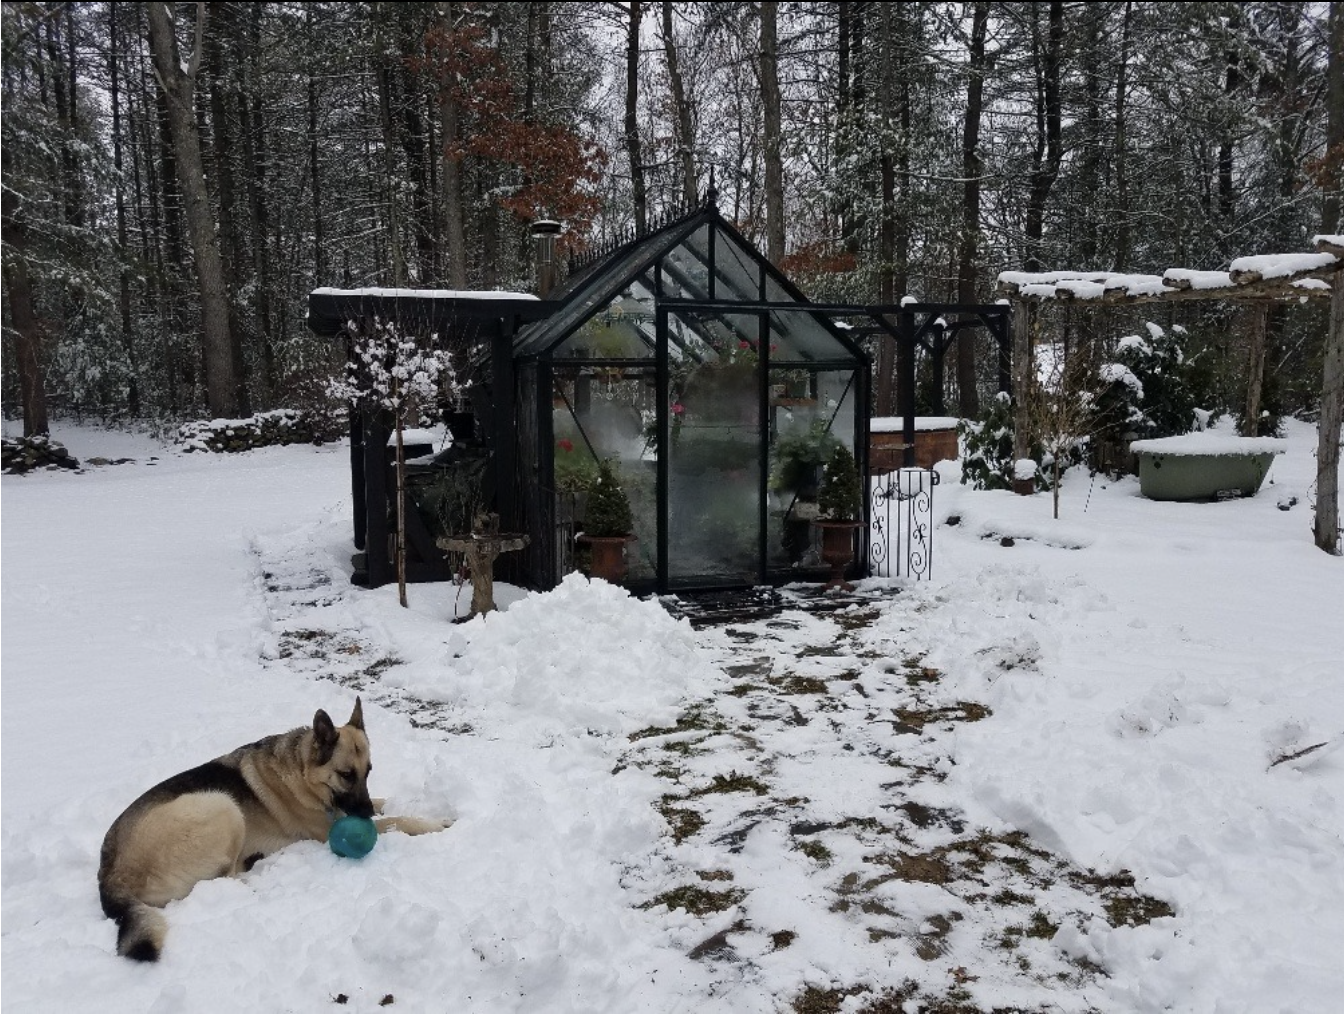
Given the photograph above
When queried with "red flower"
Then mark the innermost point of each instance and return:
(678, 408)
(565, 445)
(744, 345)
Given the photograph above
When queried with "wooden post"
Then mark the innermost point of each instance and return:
(1332, 416)
(1259, 326)
(1022, 314)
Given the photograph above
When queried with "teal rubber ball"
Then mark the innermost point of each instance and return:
(352, 837)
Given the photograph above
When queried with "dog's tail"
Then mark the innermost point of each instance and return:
(140, 927)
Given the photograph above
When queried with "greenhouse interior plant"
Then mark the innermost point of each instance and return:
(609, 525)
(839, 514)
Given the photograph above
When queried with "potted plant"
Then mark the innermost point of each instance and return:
(839, 509)
(609, 525)
(795, 469)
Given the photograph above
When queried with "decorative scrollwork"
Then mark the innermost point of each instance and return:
(901, 541)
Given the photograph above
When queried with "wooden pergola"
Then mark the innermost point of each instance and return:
(1260, 282)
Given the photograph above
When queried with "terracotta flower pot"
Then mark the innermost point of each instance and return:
(607, 556)
(837, 550)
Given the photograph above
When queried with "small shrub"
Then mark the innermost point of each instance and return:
(609, 512)
(840, 497)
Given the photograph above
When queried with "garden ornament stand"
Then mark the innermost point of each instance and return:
(481, 548)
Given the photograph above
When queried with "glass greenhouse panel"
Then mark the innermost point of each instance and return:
(686, 267)
(604, 413)
(804, 431)
(623, 329)
(713, 464)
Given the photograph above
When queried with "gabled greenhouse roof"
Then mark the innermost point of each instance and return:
(723, 268)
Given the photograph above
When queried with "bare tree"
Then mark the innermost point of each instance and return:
(972, 168)
(681, 104)
(177, 79)
(774, 161)
(638, 187)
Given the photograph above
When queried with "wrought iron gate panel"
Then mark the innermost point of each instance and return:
(901, 527)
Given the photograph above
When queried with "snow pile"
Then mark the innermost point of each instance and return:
(583, 660)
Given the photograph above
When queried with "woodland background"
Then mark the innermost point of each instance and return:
(178, 178)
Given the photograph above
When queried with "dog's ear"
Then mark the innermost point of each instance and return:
(325, 736)
(357, 716)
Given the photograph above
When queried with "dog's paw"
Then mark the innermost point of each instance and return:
(412, 825)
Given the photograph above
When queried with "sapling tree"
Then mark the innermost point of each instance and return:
(395, 373)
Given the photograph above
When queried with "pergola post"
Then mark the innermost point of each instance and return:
(1021, 389)
(1332, 418)
(1258, 323)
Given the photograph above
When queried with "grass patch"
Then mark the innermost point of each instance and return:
(800, 685)
(698, 718)
(915, 719)
(817, 852)
(697, 901)
(732, 782)
(683, 822)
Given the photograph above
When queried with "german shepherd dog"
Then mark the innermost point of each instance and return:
(218, 819)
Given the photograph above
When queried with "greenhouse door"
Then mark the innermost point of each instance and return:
(711, 531)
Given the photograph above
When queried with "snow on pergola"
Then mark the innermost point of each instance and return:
(1265, 280)
(1270, 277)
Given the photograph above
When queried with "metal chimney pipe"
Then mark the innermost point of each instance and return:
(544, 232)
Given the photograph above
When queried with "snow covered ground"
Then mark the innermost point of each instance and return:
(1074, 771)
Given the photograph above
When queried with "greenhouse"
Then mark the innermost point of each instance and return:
(689, 362)
(682, 359)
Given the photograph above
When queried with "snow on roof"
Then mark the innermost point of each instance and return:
(427, 293)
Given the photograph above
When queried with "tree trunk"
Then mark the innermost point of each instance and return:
(314, 163)
(685, 124)
(178, 83)
(1334, 131)
(254, 154)
(639, 189)
(774, 162)
(454, 210)
(1049, 134)
(124, 275)
(27, 342)
(1329, 435)
(390, 176)
(226, 184)
(972, 167)
(1122, 210)
(1226, 149)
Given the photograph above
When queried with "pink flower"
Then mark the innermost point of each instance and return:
(744, 345)
(565, 445)
(678, 408)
